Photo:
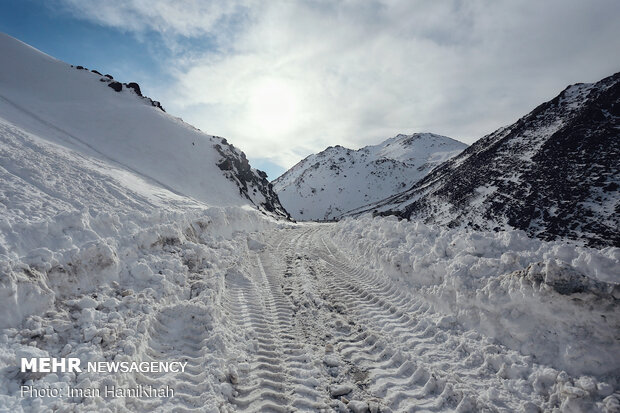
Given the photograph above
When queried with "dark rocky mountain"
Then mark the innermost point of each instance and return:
(555, 173)
(252, 183)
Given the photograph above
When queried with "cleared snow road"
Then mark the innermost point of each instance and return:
(328, 334)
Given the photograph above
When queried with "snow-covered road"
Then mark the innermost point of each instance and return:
(362, 315)
(327, 333)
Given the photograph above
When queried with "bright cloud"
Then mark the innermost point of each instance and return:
(287, 78)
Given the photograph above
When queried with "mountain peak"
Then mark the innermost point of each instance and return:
(326, 185)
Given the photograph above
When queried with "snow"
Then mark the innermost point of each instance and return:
(143, 279)
(49, 98)
(327, 185)
(109, 254)
(508, 286)
(113, 215)
(559, 158)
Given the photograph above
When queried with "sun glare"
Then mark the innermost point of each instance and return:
(273, 106)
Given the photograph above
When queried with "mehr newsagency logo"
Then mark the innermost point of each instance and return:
(74, 365)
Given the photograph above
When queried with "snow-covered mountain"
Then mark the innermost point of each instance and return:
(554, 173)
(328, 184)
(93, 114)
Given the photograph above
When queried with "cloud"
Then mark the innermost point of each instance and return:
(287, 78)
(182, 17)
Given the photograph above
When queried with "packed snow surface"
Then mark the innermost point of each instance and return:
(327, 185)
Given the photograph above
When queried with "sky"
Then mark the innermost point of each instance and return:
(283, 79)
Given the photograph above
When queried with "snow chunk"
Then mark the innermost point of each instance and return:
(340, 389)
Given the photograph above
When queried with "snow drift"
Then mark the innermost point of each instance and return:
(65, 213)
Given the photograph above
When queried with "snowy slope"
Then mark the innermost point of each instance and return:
(63, 214)
(554, 173)
(99, 263)
(328, 184)
(80, 110)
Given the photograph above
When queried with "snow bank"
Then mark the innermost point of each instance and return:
(77, 252)
(552, 300)
(121, 287)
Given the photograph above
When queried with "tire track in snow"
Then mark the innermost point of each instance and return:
(177, 333)
(278, 378)
(261, 386)
(394, 376)
(416, 358)
(302, 370)
(332, 335)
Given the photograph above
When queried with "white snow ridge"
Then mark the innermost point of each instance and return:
(129, 237)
